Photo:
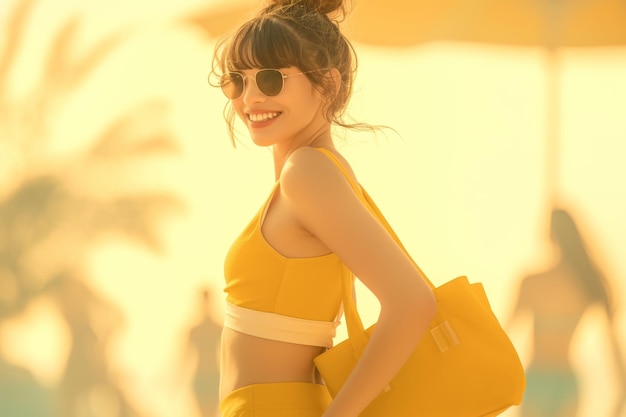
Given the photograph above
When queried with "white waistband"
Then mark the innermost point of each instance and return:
(278, 327)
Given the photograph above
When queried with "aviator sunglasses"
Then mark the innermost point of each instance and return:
(269, 81)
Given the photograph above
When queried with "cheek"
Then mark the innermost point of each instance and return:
(238, 110)
(314, 101)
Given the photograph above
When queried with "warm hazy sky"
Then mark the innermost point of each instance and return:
(463, 182)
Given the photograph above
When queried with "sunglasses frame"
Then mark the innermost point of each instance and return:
(254, 78)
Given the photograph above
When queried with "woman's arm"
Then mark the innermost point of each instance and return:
(327, 207)
(521, 304)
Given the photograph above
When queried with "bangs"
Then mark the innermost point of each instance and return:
(264, 43)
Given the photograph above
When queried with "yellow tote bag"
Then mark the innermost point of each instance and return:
(465, 366)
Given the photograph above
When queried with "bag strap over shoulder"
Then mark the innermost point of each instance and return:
(371, 205)
(353, 320)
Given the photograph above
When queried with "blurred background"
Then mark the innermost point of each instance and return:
(120, 192)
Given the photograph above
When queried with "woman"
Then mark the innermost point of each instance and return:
(552, 388)
(288, 73)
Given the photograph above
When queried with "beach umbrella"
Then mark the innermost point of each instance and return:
(545, 23)
(548, 24)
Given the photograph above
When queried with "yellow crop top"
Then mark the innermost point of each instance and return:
(260, 279)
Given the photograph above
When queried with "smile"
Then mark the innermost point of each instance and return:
(263, 117)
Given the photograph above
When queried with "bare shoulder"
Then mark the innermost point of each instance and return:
(535, 284)
(310, 171)
(303, 157)
(530, 281)
(319, 194)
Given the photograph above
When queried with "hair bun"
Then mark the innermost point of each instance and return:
(322, 6)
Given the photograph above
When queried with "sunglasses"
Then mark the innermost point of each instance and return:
(269, 81)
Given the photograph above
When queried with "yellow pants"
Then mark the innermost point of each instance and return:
(283, 399)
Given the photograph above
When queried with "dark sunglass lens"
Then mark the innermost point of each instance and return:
(269, 81)
(232, 84)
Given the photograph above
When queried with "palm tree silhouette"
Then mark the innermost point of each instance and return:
(44, 203)
(53, 212)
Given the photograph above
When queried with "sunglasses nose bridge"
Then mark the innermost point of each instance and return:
(246, 87)
(245, 78)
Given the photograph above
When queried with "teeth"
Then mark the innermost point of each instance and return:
(261, 117)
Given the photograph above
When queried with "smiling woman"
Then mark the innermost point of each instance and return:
(288, 74)
(468, 174)
(276, 42)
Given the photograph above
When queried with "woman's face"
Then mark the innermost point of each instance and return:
(294, 115)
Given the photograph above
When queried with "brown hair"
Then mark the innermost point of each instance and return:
(300, 33)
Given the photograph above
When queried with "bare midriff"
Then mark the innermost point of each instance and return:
(248, 360)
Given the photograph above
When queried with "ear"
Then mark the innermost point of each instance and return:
(333, 77)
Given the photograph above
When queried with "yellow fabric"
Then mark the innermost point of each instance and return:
(465, 367)
(284, 399)
(260, 278)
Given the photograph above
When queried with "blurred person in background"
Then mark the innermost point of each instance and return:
(89, 384)
(557, 298)
(203, 349)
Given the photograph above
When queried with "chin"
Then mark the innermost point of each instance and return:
(262, 142)
(268, 139)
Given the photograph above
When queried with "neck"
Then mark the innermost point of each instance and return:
(281, 151)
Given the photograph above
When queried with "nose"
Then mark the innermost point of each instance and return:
(251, 93)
